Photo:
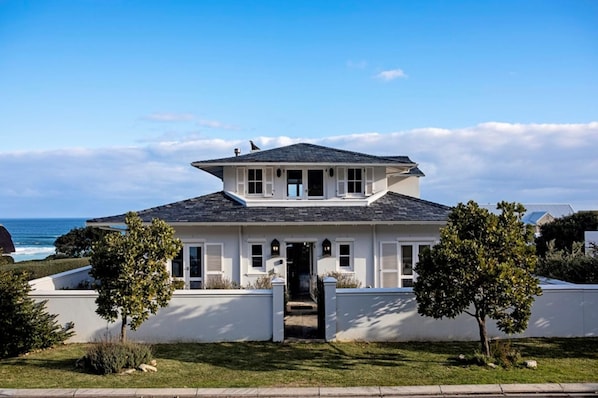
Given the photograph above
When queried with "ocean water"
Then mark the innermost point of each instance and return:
(34, 237)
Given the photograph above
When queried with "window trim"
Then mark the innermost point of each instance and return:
(350, 256)
(251, 256)
(255, 181)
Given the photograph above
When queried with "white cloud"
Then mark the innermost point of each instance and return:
(215, 124)
(170, 117)
(489, 162)
(362, 64)
(388, 75)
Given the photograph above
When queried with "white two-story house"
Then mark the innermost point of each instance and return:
(301, 211)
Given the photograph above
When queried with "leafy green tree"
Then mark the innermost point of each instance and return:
(78, 241)
(25, 325)
(483, 266)
(566, 230)
(572, 265)
(131, 269)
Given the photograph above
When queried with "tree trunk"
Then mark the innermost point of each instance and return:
(123, 329)
(483, 335)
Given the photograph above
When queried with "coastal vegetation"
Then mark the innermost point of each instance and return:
(39, 268)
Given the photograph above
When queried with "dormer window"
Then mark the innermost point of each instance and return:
(354, 181)
(254, 181)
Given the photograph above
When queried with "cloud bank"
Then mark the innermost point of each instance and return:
(489, 162)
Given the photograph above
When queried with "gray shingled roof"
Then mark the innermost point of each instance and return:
(302, 153)
(219, 208)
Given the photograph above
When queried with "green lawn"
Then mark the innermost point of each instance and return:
(311, 364)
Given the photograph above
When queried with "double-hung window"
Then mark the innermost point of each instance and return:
(254, 181)
(345, 256)
(257, 256)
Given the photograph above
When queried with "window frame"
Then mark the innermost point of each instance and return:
(255, 182)
(253, 257)
(340, 256)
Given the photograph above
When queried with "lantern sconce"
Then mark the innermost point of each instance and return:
(278, 172)
(275, 248)
(331, 172)
(326, 248)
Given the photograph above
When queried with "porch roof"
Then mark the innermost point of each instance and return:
(220, 209)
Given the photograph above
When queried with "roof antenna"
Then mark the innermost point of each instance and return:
(253, 146)
(237, 151)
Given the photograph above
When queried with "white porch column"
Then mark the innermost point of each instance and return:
(278, 285)
(330, 308)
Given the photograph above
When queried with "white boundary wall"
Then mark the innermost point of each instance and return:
(391, 315)
(198, 316)
(64, 280)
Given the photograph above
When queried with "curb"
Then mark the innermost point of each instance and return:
(480, 390)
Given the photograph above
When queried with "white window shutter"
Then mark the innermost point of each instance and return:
(241, 180)
(369, 180)
(213, 262)
(268, 181)
(389, 264)
(341, 181)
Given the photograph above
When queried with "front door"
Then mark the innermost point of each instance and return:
(187, 266)
(299, 264)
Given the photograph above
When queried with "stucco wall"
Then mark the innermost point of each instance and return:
(200, 316)
(64, 280)
(391, 315)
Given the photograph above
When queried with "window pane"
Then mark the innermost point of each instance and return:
(294, 183)
(344, 261)
(344, 250)
(407, 282)
(256, 250)
(251, 174)
(407, 259)
(315, 182)
(195, 261)
(177, 265)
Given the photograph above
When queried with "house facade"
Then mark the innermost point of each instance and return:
(301, 211)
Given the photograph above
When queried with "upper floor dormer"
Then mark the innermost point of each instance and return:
(312, 175)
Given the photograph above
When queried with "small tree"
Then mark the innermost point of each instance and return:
(78, 241)
(25, 325)
(483, 266)
(566, 230)
(131, 269)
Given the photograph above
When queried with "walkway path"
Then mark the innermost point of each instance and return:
(482, 390)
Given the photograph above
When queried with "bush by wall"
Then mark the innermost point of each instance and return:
(25, 325)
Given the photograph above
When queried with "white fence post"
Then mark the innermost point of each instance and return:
(329, 308)
(278, 309)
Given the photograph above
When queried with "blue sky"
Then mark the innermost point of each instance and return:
(103, 104)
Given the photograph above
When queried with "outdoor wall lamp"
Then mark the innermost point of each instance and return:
(275, 248)
(278, 172)
(331, 172)
(326, 247)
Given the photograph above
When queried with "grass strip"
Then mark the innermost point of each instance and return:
(266, 364)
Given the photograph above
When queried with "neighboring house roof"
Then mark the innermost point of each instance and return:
(303, 154)
(219, 208)
(555, 210)
(6, 243)
(536, 217)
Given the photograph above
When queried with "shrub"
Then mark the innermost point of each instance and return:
(25, 325)
(569, 265)
(112, 357)
(221, 283)
(504, 353)
(344, 280)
